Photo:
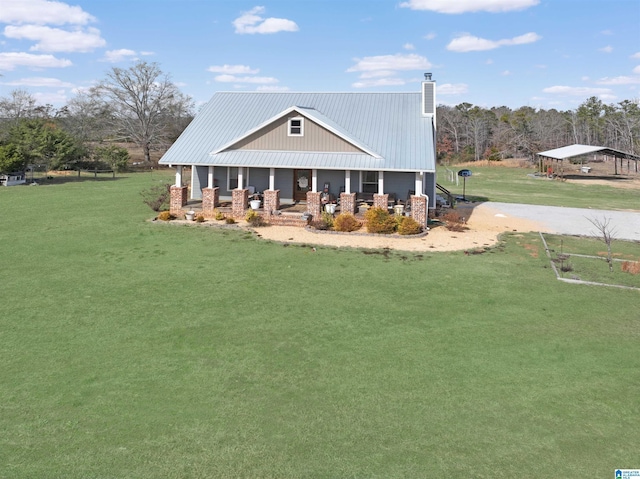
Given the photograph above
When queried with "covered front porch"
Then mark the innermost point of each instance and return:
(284, 193)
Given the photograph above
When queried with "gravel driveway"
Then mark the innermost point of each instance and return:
(574, 221)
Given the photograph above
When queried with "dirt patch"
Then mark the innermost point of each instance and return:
(485, 225)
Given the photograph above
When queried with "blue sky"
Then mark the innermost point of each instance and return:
(538, 53)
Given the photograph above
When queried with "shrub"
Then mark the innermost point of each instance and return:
(346, 222)
(254, 219)
(454, 221)
(632, 267)
(218, 215)
(200, 219)
(229, 221)
(379, 221)
(408, 226)
(166, 216)
(157, 196)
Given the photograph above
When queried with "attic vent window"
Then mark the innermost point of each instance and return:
(296, 126)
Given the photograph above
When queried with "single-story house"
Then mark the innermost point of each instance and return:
(11, 179)
(295, 147)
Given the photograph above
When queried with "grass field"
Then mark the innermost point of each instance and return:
(138, 350)
(513, 185)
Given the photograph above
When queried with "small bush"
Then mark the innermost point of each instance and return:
(229, 221)
(454, 221)
(254, 219)
(166, 216)
(157, 197)
(632, 267)
(200, 219)
(346, 222)
(218, 215)
(408, 226)
(379, 221)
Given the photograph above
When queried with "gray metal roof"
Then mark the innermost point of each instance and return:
(579, 150)
(389, 127)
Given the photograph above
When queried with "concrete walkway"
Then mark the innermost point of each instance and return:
(574, 221)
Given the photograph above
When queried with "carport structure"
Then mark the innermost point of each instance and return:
(558, 156)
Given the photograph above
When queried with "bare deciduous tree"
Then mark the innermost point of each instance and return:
(143, 102)
(605, 233)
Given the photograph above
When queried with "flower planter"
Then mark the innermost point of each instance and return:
(190, 215)
(330, 208)
(255, 204)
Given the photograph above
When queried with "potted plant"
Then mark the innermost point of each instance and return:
(255, 204)
(330, 207)
(190, 215)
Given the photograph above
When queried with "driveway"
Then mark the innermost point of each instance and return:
(574, 221)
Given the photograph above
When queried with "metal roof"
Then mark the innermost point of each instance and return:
(578, 150)
(388, 127)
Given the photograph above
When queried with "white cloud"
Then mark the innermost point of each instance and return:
(395, 81)
(430, 36)
(606, 32)
(377, 74)
(636, 55)
(489, 61)
(464, 6)
(232, 69)
(470, 43)
(55, 39)
(636, 70)
(251, 22)
(409, 46)
(246, 79)
(40, 82)
(53, 98)
(621, 80)
(577, 91)
(9, 61)
(115, 56)
(43, 12)
(399, 61)
(505, 73)
(607, 49)
(453, 89)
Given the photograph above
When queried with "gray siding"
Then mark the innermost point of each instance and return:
(275, 137)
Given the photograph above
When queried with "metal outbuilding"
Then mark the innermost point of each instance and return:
(566, 152)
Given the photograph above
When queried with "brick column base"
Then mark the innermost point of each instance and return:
(381, 201)
(348, 203)
(178, 199)
(239, 203)
(419, 209)
(314, 206)
(271, 201)
(210, 201)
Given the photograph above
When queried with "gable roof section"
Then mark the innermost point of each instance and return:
(579, 150)
(387, 127)
(310, 114)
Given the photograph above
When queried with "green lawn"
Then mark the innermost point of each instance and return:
(139, 350)
(514, 185)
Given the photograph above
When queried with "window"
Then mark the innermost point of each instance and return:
(232, 177)
(369, 181)
(296, 126)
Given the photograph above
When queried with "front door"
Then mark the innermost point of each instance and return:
(301, 184)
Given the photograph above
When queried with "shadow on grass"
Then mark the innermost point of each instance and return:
(599, 177)
(59, 180)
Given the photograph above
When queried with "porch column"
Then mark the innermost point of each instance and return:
(380, 182)
(314, 180)
(420, 208)
(314, 205)
(240, 177)
(177, 194)
(347, 181)
(419, 188)
(193, 181)
(271, 201)
(272, 178)
(210, 177)
(239, 201)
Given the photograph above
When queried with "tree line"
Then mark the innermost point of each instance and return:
(139, 105)
(469, 133)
